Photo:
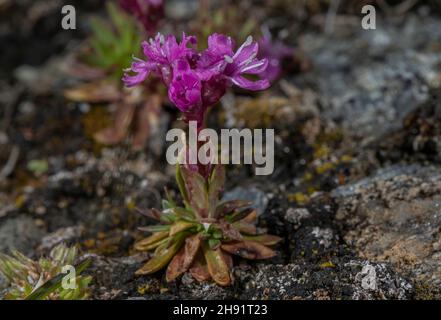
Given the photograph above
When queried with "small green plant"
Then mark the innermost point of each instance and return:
(42, 279)
(202, 235)
(109, 51)
(113, 44)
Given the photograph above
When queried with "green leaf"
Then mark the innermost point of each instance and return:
(196, 189)
(55, 283)
(214, 243)
(249, 250)
(156, 228)
(168, 216)
(184, 259)
(170, 200)
(166, 204)
(114, 43)
(239, 215)
(265, 239)
(151, 242)
(102, 32)
(217, 266)
(183, 213)
(181, 185)
(215, 187)
(180, 226)
(230, 206)
(162, 256)
(217, 234)
(245, 228)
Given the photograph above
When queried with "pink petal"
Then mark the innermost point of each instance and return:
(250, 85)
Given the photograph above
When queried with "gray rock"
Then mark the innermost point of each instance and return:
(20, 233)
(296, 215)
(372, 81)
(356, 279)
(395, 216)
(63, 235)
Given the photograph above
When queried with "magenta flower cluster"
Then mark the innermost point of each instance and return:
(197, 80)
(148, 12)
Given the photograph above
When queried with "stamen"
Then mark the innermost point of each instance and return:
(228, 59)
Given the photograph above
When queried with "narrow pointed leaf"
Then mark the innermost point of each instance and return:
(265, 239)
(249, 250)
(229, 232)
(181, 184)
(55, 283)
(150, 213)
(196, 190)
(251, 217)
(155, 228)
(215, 188)
(170, 200)
(183, 213)
(217, 266)
(161, 257)
(151, 242)
(245, 228)
(199, 269)
(230, 206)
(247, 214)
(180, 226)
(184, 259)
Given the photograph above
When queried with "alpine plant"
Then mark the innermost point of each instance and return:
(202, 234)
(42, 279)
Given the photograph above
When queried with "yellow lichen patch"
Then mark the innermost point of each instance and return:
(143, 289)
(327, 264)
(324, 167)
(299, 198)
(321, 151)
(346, 158)
(130, 204)
(307, 176)
(311, 190)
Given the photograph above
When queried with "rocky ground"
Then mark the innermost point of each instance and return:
(356, 195)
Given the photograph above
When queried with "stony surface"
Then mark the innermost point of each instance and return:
(371, 82)
(21, 233)
(352, 279)
(395, 216)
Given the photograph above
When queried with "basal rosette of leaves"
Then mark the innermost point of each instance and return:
(42, 279)
(201, 236)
